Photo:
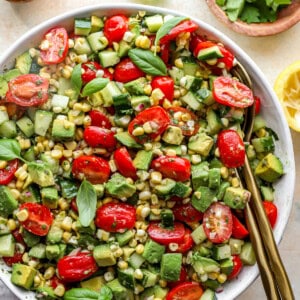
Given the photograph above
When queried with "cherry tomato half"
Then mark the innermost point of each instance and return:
(257, 105)
(77, 267)
(99, 137)
(166, 236)
(158, 120)
(165, 84)
(187, 213)
(90, 71)
(239, 231)
(271, 212)
(124, 163)
(188, 127)
(28, 90)
(54, 46)
(187, 243)
(115, 27)
(7, 173)
(185, 291)
(173, 167)
(99, 119)
(237, 267)
(232, 148)
(39, 218)
(230, 92)
(217, 223)
(94, 169)
(115, 217)
(126, 71)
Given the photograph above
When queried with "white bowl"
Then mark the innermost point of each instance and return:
(271, 110)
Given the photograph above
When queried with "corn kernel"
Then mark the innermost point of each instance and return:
(11, 224)
(147, 89)
(122, 264)
(66, 224)
(70, 145)
(162, 283)
(138, 274)
(213, 275)
(147, 127)
(22, 215)
(59, 290)
(224, 172)
(49, 273)
(66, 236)
(16, 194)
(235, 182)
(222, 277)
(140, 249)
(156, 177)
(145, 195)
(108, 276)
(138, 131)
(118, 252)
(178, 63)
(261, 132)
(37, 280)
(63, 204)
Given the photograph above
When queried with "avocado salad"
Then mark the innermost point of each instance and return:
(119, 141)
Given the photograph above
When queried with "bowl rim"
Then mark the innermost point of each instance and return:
(212, 32)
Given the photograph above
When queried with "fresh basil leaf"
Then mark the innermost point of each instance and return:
(9, 149)
(76, 77)
(166, 27)
(94, 86)
(86, 201)
(148, 62)
(81, 294)
(105, 293)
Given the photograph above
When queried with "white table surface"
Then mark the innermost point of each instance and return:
(272, 54)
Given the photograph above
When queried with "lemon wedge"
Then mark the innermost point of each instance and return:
(287, 89)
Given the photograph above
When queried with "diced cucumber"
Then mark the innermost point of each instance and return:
(26, 126)
(267, 193)
(108, 58)
(111, 90)
(167, 218)
(8, 129)
(123, 49)
(60, 101)
(205, 96)
(190, 66)
(149, 278)
(136, 260)
(191, 82)
(263, 144)
(235, 246)
(82, 26)
(191, 100)
(205, 265)
(220, 252)
(154, 22)
(198, 235)
(3, 116)
(213, 121)
(42, 121)
(82, 46)
(38, 251)
(209, 53)
(97, 41)
(208, 295)
(214, 178)
(3, 86)
(126, 277)
(125, 237)
(7, 245)
(176, 74)
(226, 266)
(139, 103)
(247, 254)
(259, 123)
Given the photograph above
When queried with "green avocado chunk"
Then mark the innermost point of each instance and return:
(118, 187)
(153, 252)
(170, 266)
(23, 275)
(8, 203)
(236, 197)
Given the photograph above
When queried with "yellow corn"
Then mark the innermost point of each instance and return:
(66, 224)
(235, 182)
(63, 204)
(11, 224)
(222, 277)
(122, 264)
(49, 273)
(162, 283)
(138, 131)
(178, 63)
(59, 290)
(224, 172)
(213, 275)
(148, 89)
(71, 145)
(22, 215)
(140, 249)
(19, 184)
(66, 236)
(261, 132)
(156, 177)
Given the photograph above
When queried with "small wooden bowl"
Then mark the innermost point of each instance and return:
(287, 17)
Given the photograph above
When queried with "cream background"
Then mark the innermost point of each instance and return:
(271, 54)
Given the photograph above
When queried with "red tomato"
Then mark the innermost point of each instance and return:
(184, 26)
(18, 237)
(165, 84)
(166, 236)
(73, 205)
(195, 40)
(185, 291)
(115, 217)
(58, 41)
(115, 27)
(239, 231)
(77, 267)
(187, 243)
(232, 148)
(159, 121)
(173, 167)
(271, 212)
(188, 128)
(164, 52)
(55, 281)
(257, 105)
(182, 278)
(90, 71)
(217, 223)
(7, 174)
(237, 267)
(100, 119)
(92, 168)
(124, 163)
(99, 137)
(28, 90)
(230, 92)
(17, 258)
(187, 213)
(39, 218)
(126, 71)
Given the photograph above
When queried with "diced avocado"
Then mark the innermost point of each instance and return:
(118, 290)
(270, 168)
(3, 87)
(123, 49)
(200, 174)
(205, 265)
(153, 252)
(8, 129)
(41, 174)
(69, 188)
(82, 46)
(38, 251)
(118, 187)
(143, 160)
(214, 178)
(97, 41)
(149, 278)
(95, 283)
(235, 246)
(127, 140)
(154, 292)
(213, 121)
(126, 277)
(42, 121)
(26, 126)
(11, 74)
(8, 203)
(125, 237)
(220, 252)
(23, 275)
(136, 87)
(177, 149)
(267, 193)
(259, 123)
(23, 62)
(173, 135)
(3, 113)
(226, 266)
(7, 245)
(236, 197)
(136, 260)
(154, 22)
(49, 197)
(50, 162)
(222, 189)
(111, 90)
(52, 252)
(181, 190)
(63, 130)
(104, 256)
(91, 229)
(82, 26)
(201, 143)
(176, 74)
(263, 144)
(247, 254)
(165, 187)
(170, 266)
(198, 235)
(30, 239)
(208, 295)
(54, 235)
(203, 197)
(96, 23)
(140, 103)
(167, 218)
(192, 101)
(108, 58)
